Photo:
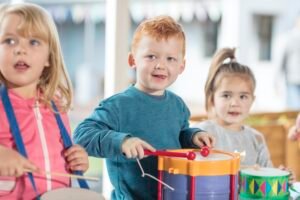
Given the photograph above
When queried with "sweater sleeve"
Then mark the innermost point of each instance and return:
(97, 133)
(264, 159)
(187, 132)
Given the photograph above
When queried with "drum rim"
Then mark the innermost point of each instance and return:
(71, 189)
(286, 173)
(200, 168)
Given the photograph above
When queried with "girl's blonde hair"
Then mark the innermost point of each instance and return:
(220, 69)
(54, 82)
(160, 27)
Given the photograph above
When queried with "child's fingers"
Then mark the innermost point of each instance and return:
(146, 145)
(298, 123)
(127, 153)
(77, 161)
(204, 139)
(74, 152)
(198, 142)
(4, 172)
(292, 134)
(134, 147)
(77, 155)
(78, 167)
(73, 149)
(209, 140)
(12, 171)
(29, 166)
(140, 150)
(212, 141)
(133, 153)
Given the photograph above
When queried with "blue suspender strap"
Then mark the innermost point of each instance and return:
(67, 142)
(15, 130)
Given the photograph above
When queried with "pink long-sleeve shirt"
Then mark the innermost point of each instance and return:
(43, 143)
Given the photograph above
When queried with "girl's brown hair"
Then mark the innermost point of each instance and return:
(54, 82)
(219, 69)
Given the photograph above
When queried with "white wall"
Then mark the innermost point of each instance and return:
(238, 30)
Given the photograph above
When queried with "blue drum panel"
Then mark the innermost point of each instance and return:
(207, 187)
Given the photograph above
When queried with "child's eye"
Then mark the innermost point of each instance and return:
(226, 96)
(34, 42)
(172, 59)
(151, 57)
(243, 97)
(10, 41)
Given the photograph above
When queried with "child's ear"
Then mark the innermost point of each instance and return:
(47, 64)
(131, 60)
(182, 67)
(254, 97)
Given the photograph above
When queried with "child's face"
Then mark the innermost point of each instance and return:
(232, 101)
(22, 59)
(157, 63)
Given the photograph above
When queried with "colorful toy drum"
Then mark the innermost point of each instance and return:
(214, 177)
(264, 183)
(71, 194)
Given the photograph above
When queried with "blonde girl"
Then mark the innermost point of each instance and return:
(35, 95)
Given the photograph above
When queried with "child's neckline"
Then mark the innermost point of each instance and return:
(241, 128)
(159, 97)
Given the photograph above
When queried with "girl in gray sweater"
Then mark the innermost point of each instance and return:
(229, 91)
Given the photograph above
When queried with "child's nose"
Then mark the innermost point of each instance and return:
(234, 102)
(160, 66)
(20, 50)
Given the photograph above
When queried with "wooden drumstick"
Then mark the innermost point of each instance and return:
(65, 175)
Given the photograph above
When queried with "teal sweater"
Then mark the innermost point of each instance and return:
(162, 121)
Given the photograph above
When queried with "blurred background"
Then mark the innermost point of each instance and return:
(96, 35)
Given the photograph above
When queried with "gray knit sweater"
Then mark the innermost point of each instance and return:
(248, 139)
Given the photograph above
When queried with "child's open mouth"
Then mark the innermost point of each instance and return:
(160, 76)
(234, 113)
(21, 66)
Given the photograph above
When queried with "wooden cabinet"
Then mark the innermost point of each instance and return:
(275, 127)
(275, 137)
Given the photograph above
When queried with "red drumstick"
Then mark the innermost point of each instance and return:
(190, 155)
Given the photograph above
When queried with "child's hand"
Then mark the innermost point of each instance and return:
(203, 138)
(133, 147)
(77, 158)
(292, 177)
(294, 131)
(14, 164)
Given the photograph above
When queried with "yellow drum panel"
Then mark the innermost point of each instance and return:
(207, 167)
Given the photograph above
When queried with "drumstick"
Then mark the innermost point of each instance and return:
(189, 155)
(66, 175)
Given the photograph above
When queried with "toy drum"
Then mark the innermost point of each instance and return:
(214, 177)
(71, 194)
(264, 183)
